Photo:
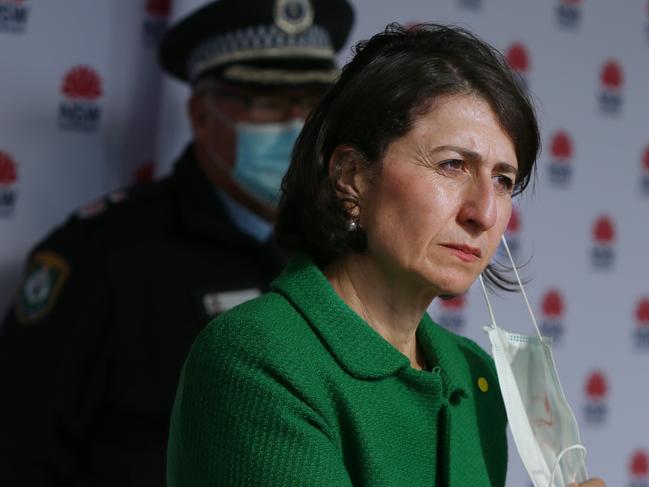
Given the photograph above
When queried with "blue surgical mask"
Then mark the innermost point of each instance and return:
(263, 156)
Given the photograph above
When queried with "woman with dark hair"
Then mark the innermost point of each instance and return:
(399, 191)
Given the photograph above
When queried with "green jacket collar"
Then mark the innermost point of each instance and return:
(357, 346)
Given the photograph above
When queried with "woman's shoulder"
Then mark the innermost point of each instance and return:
(267, 328)
(264, 345)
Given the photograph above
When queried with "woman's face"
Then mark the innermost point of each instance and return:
(437, 209)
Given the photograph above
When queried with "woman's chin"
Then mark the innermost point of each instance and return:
(451, 285)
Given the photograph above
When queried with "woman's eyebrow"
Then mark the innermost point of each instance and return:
(506, 168)
(467, 153)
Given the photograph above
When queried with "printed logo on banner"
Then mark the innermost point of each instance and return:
(79, 110)
(8, 183)
(155, 21)
(644, 178)
(512, 234)
(519, 60)
(561, 163)
(470, 4)
(13, 16)
(596, 409)
(451, 313)
(641, 335)
(611, 78)
(145, 172)
(639, 469)
(603, 253)
(569, 13)
(552, 308)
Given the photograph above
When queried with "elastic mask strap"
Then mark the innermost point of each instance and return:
(558, 461)
(520, 285)
(222, 117)
(486, 297)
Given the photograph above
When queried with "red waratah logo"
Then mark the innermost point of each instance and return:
(596, 389)
(639, 464)
(512, 236)
(552, 307)
(603, 234)
(596, 386)
(611, 78)
(611, 75)
(8, 173)
(514, 225)
(561, 150)
(518, 58)
(158, 8)
(644, 178)
(642, 312)
(552, 304)
(454, 304)
(641, 332)
(451, 313)
(561, 147)
(82, 83)
(8, 178)
(604, 230)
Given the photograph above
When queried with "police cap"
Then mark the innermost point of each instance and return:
(259, 42)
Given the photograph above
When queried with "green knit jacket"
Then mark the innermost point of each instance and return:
(295, 389)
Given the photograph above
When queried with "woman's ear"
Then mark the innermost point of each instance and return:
(348, 174)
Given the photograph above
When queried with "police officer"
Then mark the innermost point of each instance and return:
(91, 349)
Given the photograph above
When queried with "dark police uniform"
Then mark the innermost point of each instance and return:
(91, 349)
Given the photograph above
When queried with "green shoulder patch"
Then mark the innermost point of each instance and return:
(41, 286)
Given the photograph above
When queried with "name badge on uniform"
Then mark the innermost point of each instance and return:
(216, 303)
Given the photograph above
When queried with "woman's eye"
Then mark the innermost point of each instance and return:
(506, 183)
(452, 164)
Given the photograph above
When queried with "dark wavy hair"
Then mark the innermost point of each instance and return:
(390, 83)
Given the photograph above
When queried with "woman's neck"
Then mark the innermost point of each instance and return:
(388, 302)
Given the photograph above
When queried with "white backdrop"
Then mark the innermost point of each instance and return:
(84, 109)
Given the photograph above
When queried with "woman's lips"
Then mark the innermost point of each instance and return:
(464, 252)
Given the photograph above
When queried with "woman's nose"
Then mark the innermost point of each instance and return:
(479, 205)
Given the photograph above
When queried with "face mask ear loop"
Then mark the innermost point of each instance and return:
(486, 297)
(558, 461)
(223, 118)
(520, 285)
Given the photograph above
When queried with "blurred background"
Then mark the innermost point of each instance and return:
(85, 110)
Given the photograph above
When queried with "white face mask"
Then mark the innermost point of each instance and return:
(543, 426)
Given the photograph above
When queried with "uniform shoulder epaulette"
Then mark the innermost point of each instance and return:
(101, 205)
